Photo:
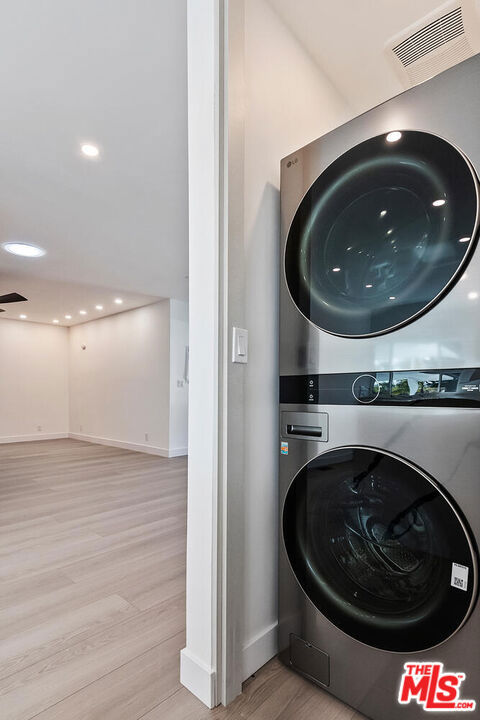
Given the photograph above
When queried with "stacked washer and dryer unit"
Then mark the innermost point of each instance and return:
(380, 399)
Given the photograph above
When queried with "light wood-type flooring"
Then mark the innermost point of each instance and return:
(92, 593)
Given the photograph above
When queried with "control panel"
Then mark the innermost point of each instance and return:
(456, 387)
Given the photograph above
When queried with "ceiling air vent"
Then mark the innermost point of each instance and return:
(437, 42)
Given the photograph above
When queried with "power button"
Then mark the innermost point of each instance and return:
(366, 389)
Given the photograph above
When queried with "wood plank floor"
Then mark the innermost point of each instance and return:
(92, 593)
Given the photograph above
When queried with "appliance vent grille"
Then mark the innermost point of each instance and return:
(429, 38)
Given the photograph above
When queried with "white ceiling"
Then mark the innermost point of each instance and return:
(347, 38)
(112, 72)
(48, 300)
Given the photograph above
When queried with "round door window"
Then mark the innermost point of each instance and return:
(382, 234)
(379, 549)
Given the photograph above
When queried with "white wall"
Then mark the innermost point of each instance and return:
(257, 104)
(120, 384)
(198, 663)
(288, 102)
(123, 386)
(178, 437)
(33, 381)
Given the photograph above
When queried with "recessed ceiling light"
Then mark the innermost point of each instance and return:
(383, 213)
(392, 297)
(439, 203)
(119, 301)
(90, 150)
(24, 249)
(98, 307)
(394, 136)
(23, 317)
(83, 312)
(389, 232)
(336, 269)
(368, 286)
(465, 239)
(55, 321)
(472, 295)
(68, 317)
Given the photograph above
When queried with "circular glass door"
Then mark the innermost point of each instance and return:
(379, 549)
(382, 234)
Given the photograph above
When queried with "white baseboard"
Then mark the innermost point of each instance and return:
(136, 447)
(32, 438)
(259, 651)
(198, 678)
(178, 452)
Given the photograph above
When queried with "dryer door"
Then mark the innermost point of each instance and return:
(382, 234)
(379, 549)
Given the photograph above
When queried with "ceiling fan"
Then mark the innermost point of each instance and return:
(11, 298)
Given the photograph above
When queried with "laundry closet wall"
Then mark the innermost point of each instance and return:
(288, 102)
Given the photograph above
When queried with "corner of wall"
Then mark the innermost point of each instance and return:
(169, 334)
(69, 390)
(178, 420)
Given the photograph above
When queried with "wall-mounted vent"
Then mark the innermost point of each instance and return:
(432, 36)
(436, 42)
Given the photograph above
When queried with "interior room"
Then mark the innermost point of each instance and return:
(241, 233)
(94, 357)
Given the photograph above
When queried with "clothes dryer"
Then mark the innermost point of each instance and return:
(379, 232)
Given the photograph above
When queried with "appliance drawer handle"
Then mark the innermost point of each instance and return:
(304, 430)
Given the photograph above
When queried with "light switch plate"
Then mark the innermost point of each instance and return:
(239, 345)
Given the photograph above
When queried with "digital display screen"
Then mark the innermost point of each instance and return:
(419, 384)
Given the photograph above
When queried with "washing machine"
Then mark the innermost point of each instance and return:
(380, 405)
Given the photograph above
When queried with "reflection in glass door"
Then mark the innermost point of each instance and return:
(382, 234)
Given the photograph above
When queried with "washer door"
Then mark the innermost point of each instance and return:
(382, 234)
(379, 549)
